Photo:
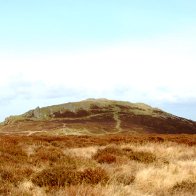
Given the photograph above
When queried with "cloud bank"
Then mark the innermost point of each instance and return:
(156, 71)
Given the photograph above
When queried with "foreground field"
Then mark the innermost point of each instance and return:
(116, 165)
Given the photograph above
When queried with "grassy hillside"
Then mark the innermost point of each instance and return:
(105, 165)
(96, 117)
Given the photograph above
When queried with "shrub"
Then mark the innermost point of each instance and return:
(7, 176)
(54, 157)
(94, 176)
(11, 153)
(14, 175)
(144, 157)
(112, 150)
(47, 154)
(185, 186)
(108, 155)
(60, 176)
(5, 188)
(125, 179)
(57, 176)
(106, 158)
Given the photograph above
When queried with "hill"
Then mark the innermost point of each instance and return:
(96, 116)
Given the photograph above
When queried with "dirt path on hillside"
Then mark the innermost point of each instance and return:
(117, 119)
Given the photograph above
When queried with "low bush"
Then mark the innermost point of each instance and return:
(56, 176)
(144, 157)
(15, 175)
(125, 179)
(108, 155)
(60, 176)
(112, 150)
(5, 188)
(105, 158)
(7, 176)
(94, 176)
(185, 186)
(47, 154)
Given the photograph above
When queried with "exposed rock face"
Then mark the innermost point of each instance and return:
(97, 116)
(37, 113)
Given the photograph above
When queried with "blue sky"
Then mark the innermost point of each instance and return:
(40, 25)
(66, 50)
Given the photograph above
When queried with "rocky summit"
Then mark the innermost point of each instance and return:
(96, 116)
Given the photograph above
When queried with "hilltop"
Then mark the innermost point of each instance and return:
(96, 116)
(97, 147)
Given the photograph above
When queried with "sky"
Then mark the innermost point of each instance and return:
(53, 52)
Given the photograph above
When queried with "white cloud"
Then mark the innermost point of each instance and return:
(159, 70)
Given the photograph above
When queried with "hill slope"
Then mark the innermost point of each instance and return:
(96, 116)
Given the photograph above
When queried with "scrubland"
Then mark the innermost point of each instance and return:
(116, 165)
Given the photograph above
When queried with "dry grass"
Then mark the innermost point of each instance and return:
(105, 165)
(62, 176)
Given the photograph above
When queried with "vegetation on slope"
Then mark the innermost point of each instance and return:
(104, 165)
(93, 117)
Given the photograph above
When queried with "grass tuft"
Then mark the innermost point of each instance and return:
(94, 176)
(185, 186)
(60, 176)
(144, 157)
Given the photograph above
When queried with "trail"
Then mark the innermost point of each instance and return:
(82, 118)
(117, 119)
(32, 132)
